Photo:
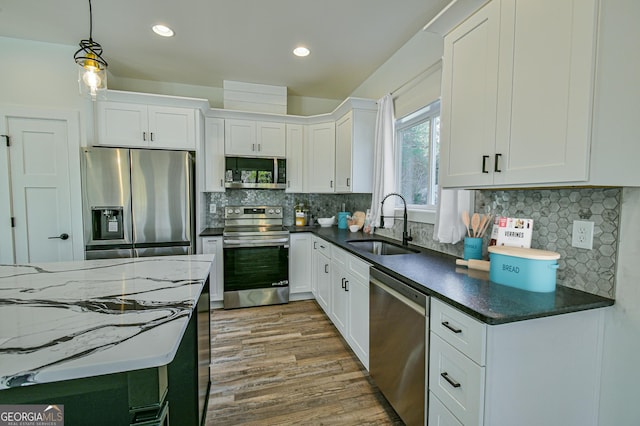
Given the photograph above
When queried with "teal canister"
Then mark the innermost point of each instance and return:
(342, 219)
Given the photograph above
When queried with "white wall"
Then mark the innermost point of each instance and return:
(412, 74)
(38, 74)
(621, 366)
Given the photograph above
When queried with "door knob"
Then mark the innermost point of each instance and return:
(63, 236)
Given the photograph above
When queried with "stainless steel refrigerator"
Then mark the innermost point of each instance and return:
(137, 202)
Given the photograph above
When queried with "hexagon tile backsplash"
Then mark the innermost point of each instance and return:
(553, 212)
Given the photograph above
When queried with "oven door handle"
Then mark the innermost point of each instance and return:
(256, 243)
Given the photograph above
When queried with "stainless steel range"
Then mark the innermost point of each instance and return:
(256, 257)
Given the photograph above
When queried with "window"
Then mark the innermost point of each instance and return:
(418, 147)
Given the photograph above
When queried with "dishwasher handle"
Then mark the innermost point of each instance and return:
(400, 289)
(420, 309)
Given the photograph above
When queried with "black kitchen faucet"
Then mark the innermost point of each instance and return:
(406, 236)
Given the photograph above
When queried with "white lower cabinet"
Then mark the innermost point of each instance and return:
(439, 415)
(456, 380)
(299, 263)
(340, 284)
(322, 273)
(542, 371)
(213, 245)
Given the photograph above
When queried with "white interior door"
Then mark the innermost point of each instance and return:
(40, 186)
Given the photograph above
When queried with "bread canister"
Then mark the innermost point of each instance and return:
(524, 268)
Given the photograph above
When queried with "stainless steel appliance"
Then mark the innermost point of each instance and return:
(399, 319)
(137, 202)
(256, 257)
(249, 172)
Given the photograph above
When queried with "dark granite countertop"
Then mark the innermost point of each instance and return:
(437, 275)
(211, 232)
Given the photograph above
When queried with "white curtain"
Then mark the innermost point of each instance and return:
(384, 162)
(451, 203)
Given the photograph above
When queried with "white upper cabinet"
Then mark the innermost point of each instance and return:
(354, 151)
(254, 138)
(517, 90)
(295, 157)
(320, 157)
(214, 166)
(145, 126)
(469, 97)
(271, 139)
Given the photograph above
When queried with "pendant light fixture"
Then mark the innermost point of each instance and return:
(92, 75)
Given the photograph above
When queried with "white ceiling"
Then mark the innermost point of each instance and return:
(242, 40)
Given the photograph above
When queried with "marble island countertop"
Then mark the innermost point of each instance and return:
(68, 320)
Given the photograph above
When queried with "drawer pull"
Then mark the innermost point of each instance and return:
(452, 328)
(452, 382)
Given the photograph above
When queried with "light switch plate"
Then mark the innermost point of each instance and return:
(582, 236)
(212, 208)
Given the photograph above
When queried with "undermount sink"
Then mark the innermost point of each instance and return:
(381, 248)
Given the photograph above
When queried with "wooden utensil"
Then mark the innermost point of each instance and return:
(465, 220)
(475, 224)
(481, 265)
(483, 221)
(483, 229)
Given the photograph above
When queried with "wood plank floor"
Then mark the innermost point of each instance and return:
(288, 365)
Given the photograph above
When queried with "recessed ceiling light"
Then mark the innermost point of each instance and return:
(162, 30)
(301, 51)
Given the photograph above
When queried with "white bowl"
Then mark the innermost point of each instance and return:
(326, 222)
(354, 228)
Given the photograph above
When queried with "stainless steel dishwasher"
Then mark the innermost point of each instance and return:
(398, 321)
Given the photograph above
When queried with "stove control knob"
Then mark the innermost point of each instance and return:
(270, 211)
(237, 211)
(277, 211)
(230, 211)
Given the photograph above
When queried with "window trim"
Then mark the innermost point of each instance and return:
(416, 212)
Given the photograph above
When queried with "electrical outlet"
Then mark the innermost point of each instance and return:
(582, 236)
(212, 208)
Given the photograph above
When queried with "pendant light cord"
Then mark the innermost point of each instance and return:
(90, 22)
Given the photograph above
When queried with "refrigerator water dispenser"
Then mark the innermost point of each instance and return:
(107, 223)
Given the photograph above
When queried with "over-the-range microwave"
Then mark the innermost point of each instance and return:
(251, 172)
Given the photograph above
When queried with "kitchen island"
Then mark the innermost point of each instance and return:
(115, 341)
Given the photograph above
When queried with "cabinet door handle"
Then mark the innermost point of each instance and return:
(326, 268)
(288, 184)
(450, 327)
(221, 183)
(343, 284)
(348, 182)
(144, 136)
(452, 382)
(314, 245)
(346, 285)
(253, 147)
(151, 134)
(496, 166)
(259, 147)
(484, 164)
(330, 184)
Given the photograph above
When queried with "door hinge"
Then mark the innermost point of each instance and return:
(13, 222)
(7, 138)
